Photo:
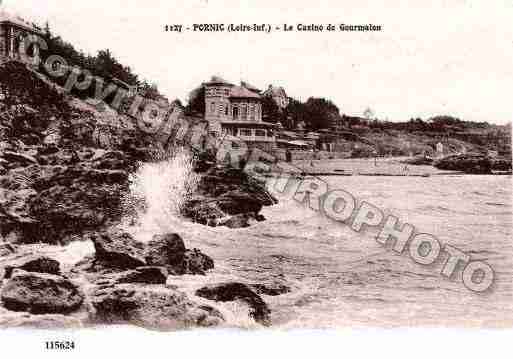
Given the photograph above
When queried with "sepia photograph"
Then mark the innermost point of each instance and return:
(254, 170)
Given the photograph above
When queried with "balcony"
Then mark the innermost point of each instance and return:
(257, 138)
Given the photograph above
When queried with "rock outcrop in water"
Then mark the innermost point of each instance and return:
(229, 292)
(118, 284)
(229, 197)
(38, 264)
(150, 307)
(40, 293)
(120, 252)
(147, 275)
(474, 164)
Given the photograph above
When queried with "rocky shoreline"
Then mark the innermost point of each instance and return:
(58, 186)
(124, 282)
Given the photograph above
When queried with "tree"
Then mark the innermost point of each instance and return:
(368, 113)
(150, 91)
(321, 113)
(270, 110)
(294, 113)
(196, 101)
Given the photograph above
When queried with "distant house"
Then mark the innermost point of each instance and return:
(440, 148)
(13, 31)
(279, 96)
(236, 112)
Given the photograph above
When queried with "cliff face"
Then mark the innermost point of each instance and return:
(56, 179)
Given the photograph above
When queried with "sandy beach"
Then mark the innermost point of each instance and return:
(363, 166)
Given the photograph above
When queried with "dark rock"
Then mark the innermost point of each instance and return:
(165, 254)
(237, 221)
(72, 209)
(112, 160)
(165, 250)
(40, 264)
(196, 262)
(40, 293)
(147, 275)
(48, 149)
(228, 292)
(224, 192)
(21, 158)
(203, 211)
(51, 203)
(119, 250)
(237, 201)
(418, 161)
(468, 163)
(203, 160)
(150, 307)
(502, 164)
(90, 264)
(6, 249)
(273, 289)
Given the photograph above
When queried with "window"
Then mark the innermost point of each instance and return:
(246, 132)
(226, 110)
(235, 112)
(221, 108)
(231, 131)
(244, 114)
(252, 112)
(260, 133)
(213, 107)
(220, 92)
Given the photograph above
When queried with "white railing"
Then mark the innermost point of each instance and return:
(257, 138)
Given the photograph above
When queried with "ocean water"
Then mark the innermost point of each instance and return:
(340, 278)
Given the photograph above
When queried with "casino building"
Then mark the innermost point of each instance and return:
(235, 113)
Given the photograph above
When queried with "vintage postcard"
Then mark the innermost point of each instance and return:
(257, 167)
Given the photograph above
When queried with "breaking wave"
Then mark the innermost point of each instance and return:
(158, 191)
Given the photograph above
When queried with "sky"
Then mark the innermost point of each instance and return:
(432, 58)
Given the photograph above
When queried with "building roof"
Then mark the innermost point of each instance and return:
(250, 87)
(18, 21)
(216, 80)
(242, 92)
